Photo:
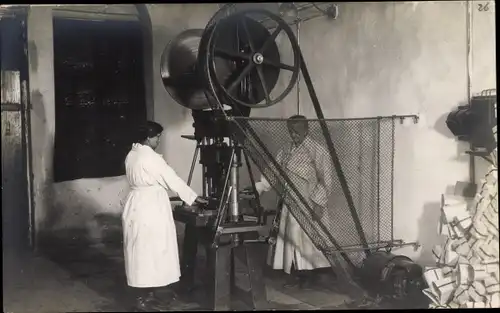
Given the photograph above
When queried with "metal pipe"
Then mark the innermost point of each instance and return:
(204, 183)
(381, 245)
(333, 153)
(223, 194)
(220, 217)
(393, 131)
(378, 179)
(468, 40)
(193, 163)
(415, 117)
(298, 77)
(234, 205)
(204, 170)
(235, 212)
(261, 219)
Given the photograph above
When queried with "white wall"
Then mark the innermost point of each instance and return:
(74, 205)
(402, 58)
(383, 59)
(67, 205)
(41, 55)
(375, 59)
(168, 21)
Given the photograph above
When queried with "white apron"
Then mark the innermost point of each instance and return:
(308, 168)
(149, 235)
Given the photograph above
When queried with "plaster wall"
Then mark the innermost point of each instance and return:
(376, 59)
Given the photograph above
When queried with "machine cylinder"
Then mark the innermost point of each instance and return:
(204, 170)
(234, 203)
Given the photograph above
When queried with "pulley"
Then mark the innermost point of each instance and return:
(234, 61)
(179, 70)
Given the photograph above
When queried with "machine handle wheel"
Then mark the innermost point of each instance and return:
(255, 55)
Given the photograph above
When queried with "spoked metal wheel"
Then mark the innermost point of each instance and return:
(255, 59)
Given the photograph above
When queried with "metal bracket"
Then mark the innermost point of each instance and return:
(403, 117)
(482, 154)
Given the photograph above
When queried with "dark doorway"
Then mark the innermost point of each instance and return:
(16, 218)
(99, 96)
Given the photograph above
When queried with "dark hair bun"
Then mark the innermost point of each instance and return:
(149, 130)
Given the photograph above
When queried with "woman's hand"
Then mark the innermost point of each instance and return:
(201, 200)
(247, 190)
(319, 212)
(248, 193)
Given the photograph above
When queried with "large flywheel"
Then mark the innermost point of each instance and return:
(236, 60)
(253, 52)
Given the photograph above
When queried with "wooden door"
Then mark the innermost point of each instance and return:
(16, 211)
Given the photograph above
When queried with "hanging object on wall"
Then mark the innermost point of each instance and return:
(295, 12)
(288, 10)
(473, 122)
(331, 10)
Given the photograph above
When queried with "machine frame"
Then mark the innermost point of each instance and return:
(221, 225)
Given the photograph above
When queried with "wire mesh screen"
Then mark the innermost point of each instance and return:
(302, 173)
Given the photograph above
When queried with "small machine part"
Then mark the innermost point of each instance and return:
(393, 276)
(473, 122)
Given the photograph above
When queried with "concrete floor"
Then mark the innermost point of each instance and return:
(74, 276)
(40, 285)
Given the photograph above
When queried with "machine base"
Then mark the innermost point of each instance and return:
(220, 285)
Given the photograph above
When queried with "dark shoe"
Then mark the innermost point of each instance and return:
(168, 293)
(151, 304)
(292, 281)
(306, 284)
(309, 280)
(141, 305)
(185, 288)
(326, 280)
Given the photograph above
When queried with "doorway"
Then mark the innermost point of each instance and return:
(17, 217)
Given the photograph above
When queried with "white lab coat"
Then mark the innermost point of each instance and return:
(308, 167)
(149, 235)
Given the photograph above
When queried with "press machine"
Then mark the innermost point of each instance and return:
(221, 73)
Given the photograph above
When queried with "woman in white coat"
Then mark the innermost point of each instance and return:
(149, 235)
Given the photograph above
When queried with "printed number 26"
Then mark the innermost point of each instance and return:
(483, 7)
